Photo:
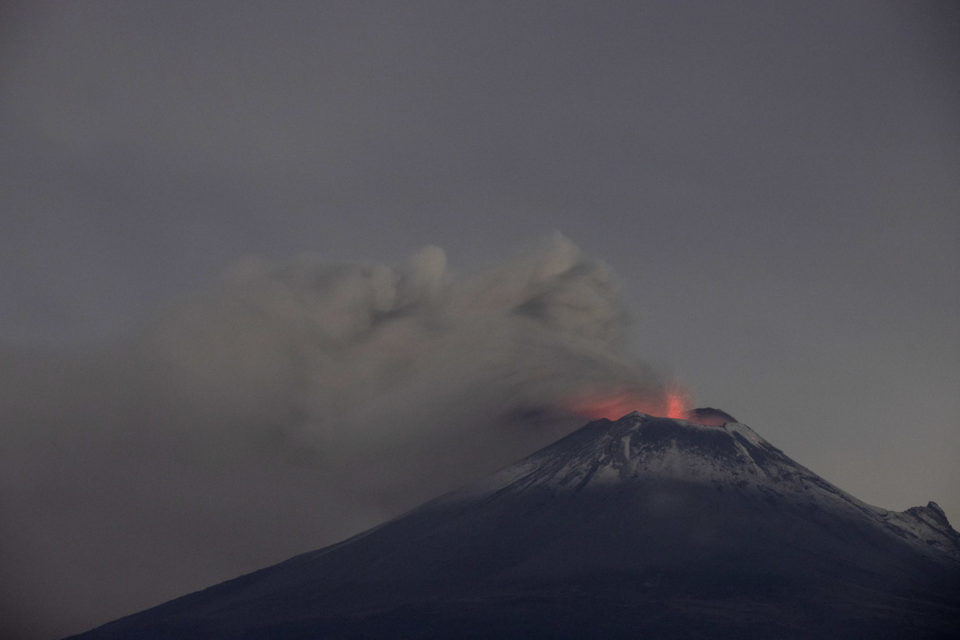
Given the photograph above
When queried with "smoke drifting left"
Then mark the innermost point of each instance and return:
(283, 408)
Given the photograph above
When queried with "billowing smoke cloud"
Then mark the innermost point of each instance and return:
(281, 409)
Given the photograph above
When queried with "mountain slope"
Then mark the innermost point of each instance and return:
(643, 526)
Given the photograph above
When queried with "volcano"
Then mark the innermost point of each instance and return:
(642, 527)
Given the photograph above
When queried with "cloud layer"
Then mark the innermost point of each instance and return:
(282, 408)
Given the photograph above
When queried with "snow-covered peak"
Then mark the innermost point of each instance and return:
(639, 446)
(640, 450)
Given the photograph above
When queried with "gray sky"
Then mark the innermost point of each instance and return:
(776, 186)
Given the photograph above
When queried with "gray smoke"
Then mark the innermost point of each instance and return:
(281, 409)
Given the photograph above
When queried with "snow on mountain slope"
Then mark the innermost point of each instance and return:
(639, 448)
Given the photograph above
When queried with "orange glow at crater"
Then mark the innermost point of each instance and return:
(675, 404)
(678, 405)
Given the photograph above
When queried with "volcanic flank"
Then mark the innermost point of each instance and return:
(639, 527)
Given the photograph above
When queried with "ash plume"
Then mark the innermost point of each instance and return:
(282, 408)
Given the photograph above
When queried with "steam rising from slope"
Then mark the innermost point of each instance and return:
(286, 407)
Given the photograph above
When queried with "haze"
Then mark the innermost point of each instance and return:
(275, 272)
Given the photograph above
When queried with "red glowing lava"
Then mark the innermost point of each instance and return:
(678, 405)
(674, 404)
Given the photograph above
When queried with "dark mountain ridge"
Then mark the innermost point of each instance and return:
(631, 528)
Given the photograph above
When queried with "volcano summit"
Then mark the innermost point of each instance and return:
(640, 527)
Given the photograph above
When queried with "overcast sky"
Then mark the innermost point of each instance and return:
(775, 187)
